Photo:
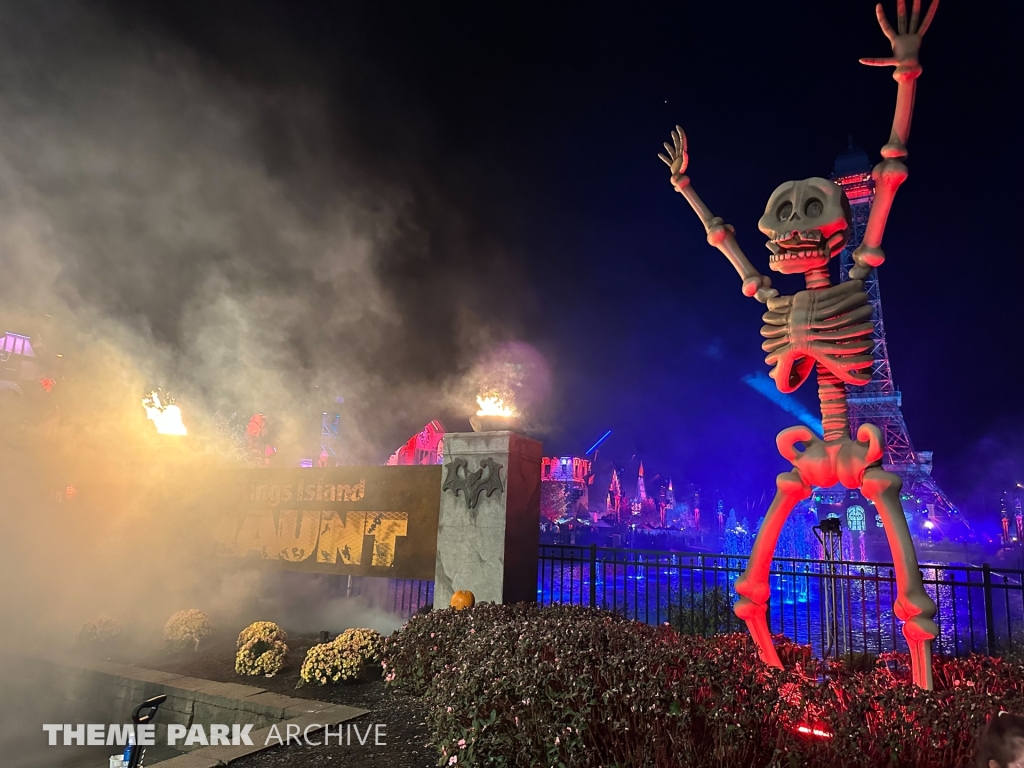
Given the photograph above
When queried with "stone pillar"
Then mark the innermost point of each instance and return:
(488, 531)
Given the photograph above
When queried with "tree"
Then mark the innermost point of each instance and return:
(554, 501)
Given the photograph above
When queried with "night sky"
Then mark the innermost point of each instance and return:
(526, 137)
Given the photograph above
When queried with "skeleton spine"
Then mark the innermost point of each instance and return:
(832, 396)
(831, 391)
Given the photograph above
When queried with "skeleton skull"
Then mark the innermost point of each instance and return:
(807, 223)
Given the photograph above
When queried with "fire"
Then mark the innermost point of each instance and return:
(167, 417)
(493, 405)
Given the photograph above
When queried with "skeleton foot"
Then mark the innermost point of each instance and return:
(919, 633)
(754, 616)
(913, 605)
(752, 586)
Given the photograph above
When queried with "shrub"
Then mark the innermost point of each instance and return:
(329, 663)
(524, 686)
(185, 629)
(705, 612)
(416, 653)
(262, 630)
(343, 659)
(577, 688)
(102, 629)
(261, 657)
(367, 643)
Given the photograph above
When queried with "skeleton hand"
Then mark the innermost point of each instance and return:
(907, 41)
(720, 234)
(677, 158)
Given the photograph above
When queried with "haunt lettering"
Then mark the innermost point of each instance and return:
(332, 536)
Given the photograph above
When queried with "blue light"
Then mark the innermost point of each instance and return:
(600, 440)
(762, 384)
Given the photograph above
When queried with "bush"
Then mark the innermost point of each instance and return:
(262, 630)
(416, 653)
(707, 612)
(343, 659)
(525, 686)
(261, 657)
(185, 629)
(367, 643)
(329, 663)
(100, 630)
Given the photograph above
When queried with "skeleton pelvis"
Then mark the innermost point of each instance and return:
(825, 463)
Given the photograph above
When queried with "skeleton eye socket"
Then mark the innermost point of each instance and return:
(813, 208)
(785, 211)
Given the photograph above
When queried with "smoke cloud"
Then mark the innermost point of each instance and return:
(164, 225)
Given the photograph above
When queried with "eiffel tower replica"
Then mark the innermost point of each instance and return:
(879, 402)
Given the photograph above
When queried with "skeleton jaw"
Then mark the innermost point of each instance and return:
(796, 252)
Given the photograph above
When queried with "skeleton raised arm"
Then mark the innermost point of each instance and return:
(891, 172)
(720, 234)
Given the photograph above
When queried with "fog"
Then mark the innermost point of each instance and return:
(164, 226)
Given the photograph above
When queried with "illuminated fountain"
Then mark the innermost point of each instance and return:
(166, 415)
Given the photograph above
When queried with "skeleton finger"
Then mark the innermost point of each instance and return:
(883, 22)
(914, 16)
(670, 149)
(682, 138)
(665, 160)
(928, 18)
(901, 16)
(879, 62)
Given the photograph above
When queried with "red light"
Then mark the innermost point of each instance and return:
(70, 492)
(47, 384)
(808, 730)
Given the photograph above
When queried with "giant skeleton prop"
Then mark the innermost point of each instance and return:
(828, 328)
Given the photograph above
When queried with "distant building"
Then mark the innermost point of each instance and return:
(425, 447)
(565, 483)
(18, 363)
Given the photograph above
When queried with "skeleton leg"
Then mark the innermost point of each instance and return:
(753, 586)
(913, 605)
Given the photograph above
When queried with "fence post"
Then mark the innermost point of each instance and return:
(593, 575)
(990, 619)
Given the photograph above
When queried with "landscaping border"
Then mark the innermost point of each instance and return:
(190, 700)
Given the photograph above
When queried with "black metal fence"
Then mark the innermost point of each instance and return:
(980, 609)
(403, 597)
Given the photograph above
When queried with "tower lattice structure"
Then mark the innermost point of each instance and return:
(880, 401)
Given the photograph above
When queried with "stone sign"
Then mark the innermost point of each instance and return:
(489, 528)
(370, 521)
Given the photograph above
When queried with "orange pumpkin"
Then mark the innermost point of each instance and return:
(463, 598)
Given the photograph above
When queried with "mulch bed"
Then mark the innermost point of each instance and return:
(406, 737)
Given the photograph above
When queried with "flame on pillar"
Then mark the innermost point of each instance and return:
(164, 414)
(494, 405)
